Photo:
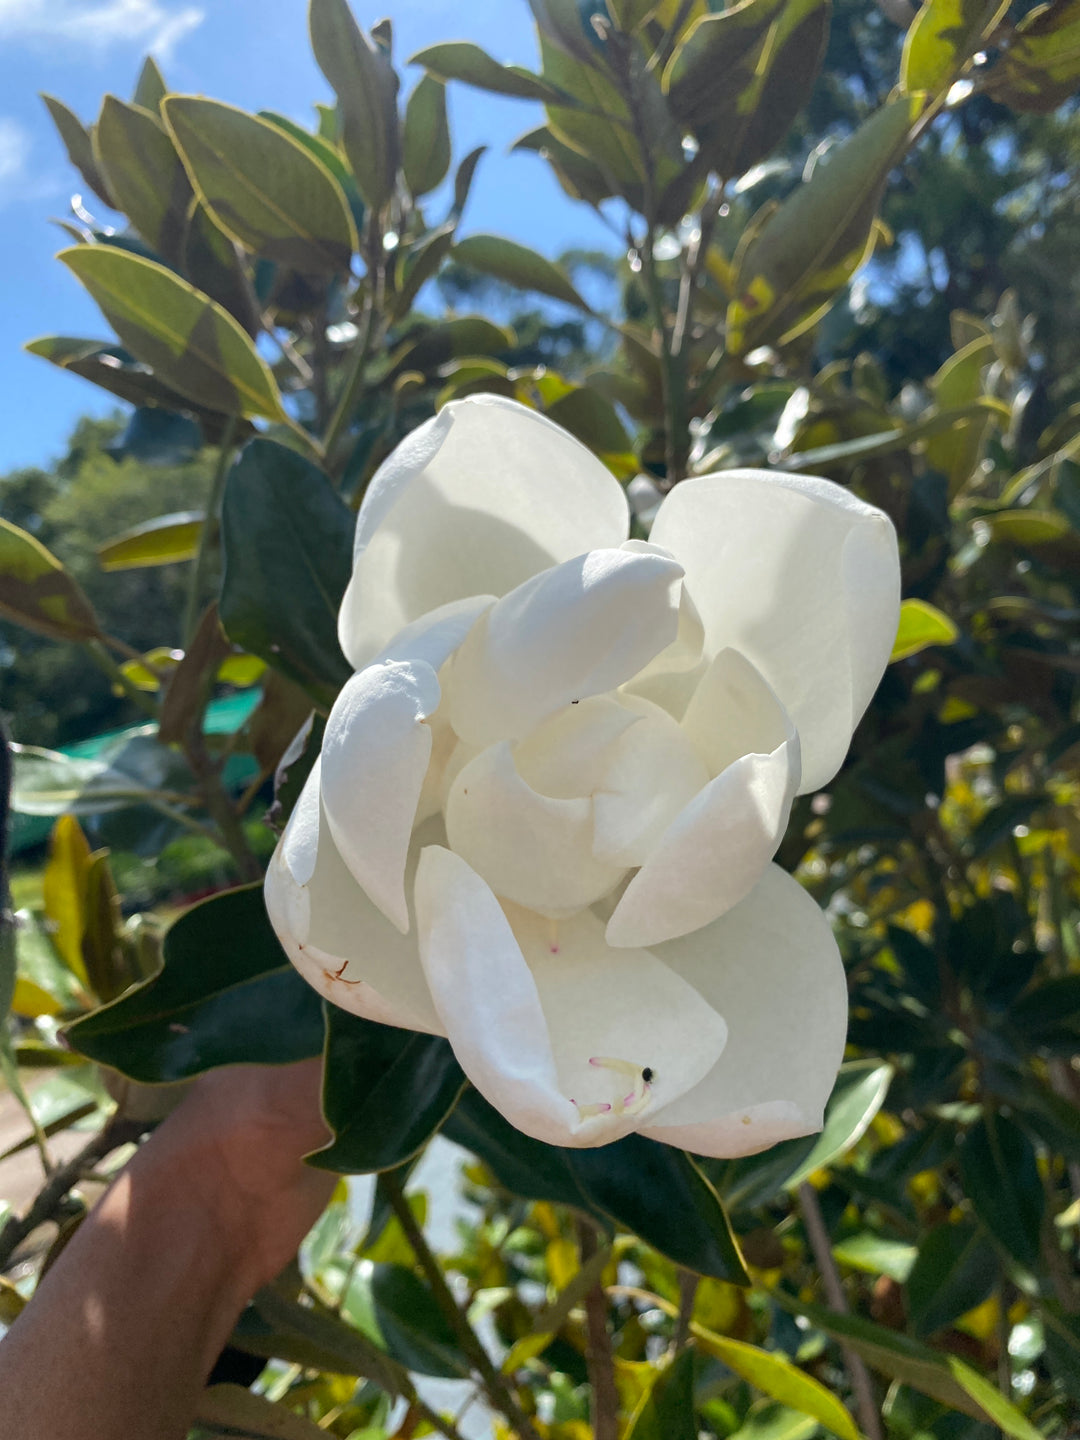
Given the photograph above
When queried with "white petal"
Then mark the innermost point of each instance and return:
(713, 853)
(652, 773)
(527, 1008)
(802, 578)
(684, 652)
(333, 934)
(734, 712)
(375, 755)
(475, 501)
(579, 629)
(435, 636)
(567, 756)
(771, 967)
(530, 848)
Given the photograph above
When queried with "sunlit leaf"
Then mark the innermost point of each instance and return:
(921, 624)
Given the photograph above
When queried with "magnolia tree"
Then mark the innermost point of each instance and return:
(760, 1035)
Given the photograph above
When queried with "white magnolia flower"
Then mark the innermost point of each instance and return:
(548, 798)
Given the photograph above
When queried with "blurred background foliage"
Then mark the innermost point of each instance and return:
(843, 241)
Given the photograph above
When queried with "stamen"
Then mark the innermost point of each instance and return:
(640, 1097)
(588, 1111)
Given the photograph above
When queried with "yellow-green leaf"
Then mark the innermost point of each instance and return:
(1028, 527)
(425, 149)
(921, 624)
(1041, 65)
(161, 541)
(150, 89)
(147, 673)
(262, 187)
(192, 344)
(232, 1410)
(366, 87)
(31, 1000)
(778, 1378)
(943, 38)
(461, 60)
(241, 670)
(145, 174)
(38, 593)
(64, 892)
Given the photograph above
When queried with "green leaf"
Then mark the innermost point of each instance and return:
(150, 88)
(1001, 1179)
(425, 147)
(226, 995)
(578, 176)
(921, 624)
(876, 1255)
(396, 1310)
(64, 893)
(287, 545)
(79, 144)
(739, 78)
(652, 1189)
(1027, 528)
(943, 38)
(956, 1270)
(778, 1378)
(328, 155)
(1041, 64)
(162, 541)
(145, 175)
(233, 1410)
(943, 1377)
(775, 1422)
(191, 342)
(461, 60)
(667, 1412)
(517, 265)
(262, 187)
(385, 1093)
(38, 593)
(49, 783)
(158, 437)
(598, 123)
(810, 247)
(366, 87)
(592, 419)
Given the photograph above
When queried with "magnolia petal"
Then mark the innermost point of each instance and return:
(713, 853)
(734, 712)
(341, 944)
(771, 967)
(568, 754)
(577, 630)
(684, 652)
(478, 499)
(530, 848)
(435, 636)
(803, 579)
(652, 773)
(528, 1008)
(375, 756)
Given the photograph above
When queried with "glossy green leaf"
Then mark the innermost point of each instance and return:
(79, 144)
(942, 1376)
(287, 544)
(516, 265)
(262, 187)
(1001, 1179)
(366, 87)
(943, 38)
(770, 1421)
(425, 144)
(599, 124)
(145, 174)
(50, 783)
(876, 1255)
(921, 624)
(667, 1412)
(810, 247)
(226, 995)
(385, 1093)
(396, 1310)
(592, 419)
(778, 1378)
(38, 593)
(956, 1270)
(162, 541)
(461, 60)
(328, 155)
(653, 1190)
(191, 342)
(449, 340)
(739, 78)
(1028, 528)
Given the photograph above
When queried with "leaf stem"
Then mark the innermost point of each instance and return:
(210, 533)
(861, 1385)
(495, 1384)
(599, 1355)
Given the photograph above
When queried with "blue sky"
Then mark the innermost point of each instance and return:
(252, 53)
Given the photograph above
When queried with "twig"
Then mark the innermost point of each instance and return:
(63, 1180)
(599, 1356)
(211, 530)
(688, 1284)
(494, 1383)
(861, 1384)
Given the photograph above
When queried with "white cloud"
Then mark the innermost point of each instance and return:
(98, 24)
(16, 180)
